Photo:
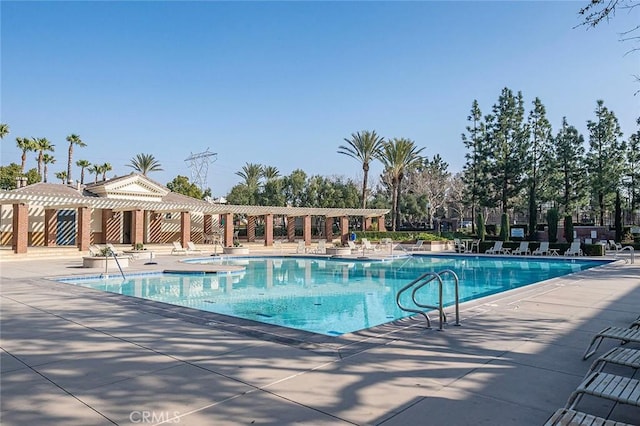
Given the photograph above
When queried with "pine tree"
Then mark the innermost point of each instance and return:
(567, 169)
(474, 175)
(605, 157)
(507, 143)
(540, 143)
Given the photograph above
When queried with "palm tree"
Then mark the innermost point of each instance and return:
(46, 160)
(145, 163)
(83, 164)
(270, 172)
(95, 170)
(364, 146)
(42, 145)
(26, 145)
(4, 130)
(73, 139)
(399, 156)
(251, 174)
(62, 176)
(104, 169)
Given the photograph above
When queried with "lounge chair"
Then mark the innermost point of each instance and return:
(475, 244)
(192, 247)
(574, 249)
(352, 246)
(496, 249)
(300, 248)
(625, 335)
(543, 249)
(459, 246)
(523, 249)
(178, 249)
(114, 250)
(95, 250)
(619, 389)
(566, 417)
(618, 355)
(321, 247)
(614, 246)
(417, 245)
(368, 246)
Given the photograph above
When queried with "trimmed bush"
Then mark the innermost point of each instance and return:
(504, 227)
(552, 221)
(568, 228)
(482, 233)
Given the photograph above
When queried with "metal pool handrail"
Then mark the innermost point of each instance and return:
(420, 282)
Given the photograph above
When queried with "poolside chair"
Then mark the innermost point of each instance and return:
(625, 335)
(114, 250)
(321, 247)
(574, 249)
(352, 246)
(459, 246)
(417, 245)
(523, 249)
(618, 355)
(619, 389)
(543, 249)
(475, 244)
(300, 248)
(566, 417)
(496, 249)
(368, 246)
(178, 249)
(192, 247)
(95, 250)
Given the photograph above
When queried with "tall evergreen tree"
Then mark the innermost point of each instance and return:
(605, 158)
(539, 148)
(475, 168)
(568, 174)
(632, 174)
(507, 144)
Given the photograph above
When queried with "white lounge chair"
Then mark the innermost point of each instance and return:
(523, 248)
(114, 250)
(368, 246)
(300, 248)
(352, 246)
(543, 249)
(496, 249)
(192, 247)
(459, 246)
(574, 249)
(417, 245)
(178, 249)
(321, 247)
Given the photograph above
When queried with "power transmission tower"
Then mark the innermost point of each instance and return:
(199, 165)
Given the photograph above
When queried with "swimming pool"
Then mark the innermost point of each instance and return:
(330, 296)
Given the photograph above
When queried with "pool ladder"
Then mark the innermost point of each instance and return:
(420, 282)
(106, 265)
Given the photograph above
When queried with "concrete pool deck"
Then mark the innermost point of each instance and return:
(75, 356)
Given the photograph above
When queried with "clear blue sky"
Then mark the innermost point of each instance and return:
(282, 83)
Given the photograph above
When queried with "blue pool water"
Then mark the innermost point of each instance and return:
(330, 296)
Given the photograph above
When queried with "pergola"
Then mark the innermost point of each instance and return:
(152, 205)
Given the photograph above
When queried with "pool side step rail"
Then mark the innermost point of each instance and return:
(422, 281)
(106, 265)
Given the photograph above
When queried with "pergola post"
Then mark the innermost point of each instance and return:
(251, 229)
(381, 227)
(83, 238)
(268, 230)
(185, 228)
(20, 237)
(367, 223)
(138, 227)
(291, 228)
(306, 230)
(344, 229)
(111, 224)
(328, 228)
(228, 229)
(207, 227)
(50, 227)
